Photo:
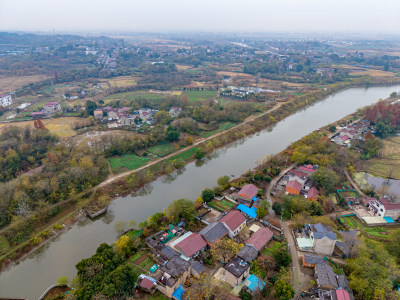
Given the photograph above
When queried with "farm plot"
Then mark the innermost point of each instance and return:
(354, 223)
(141, 262)
(162, 149)
(222, 127)
(221, 205)
(200, 95)
(184, 155)
(129, 161)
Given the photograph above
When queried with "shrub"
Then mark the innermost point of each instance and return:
(63, 280)
(37, 240)
(58, 226)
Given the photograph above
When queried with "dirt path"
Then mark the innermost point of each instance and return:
(297, 274)
(353, 184)
(272, 184)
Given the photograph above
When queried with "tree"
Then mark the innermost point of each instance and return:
(277, 207)
(199, 154)
(207, 195)
(181, 208)
(224, 250)
(282, 256)
(172, 134)
(90, 107)
(325, 178)
(223, 181)
(393, 95)
(332, 129)
(373, 268)
(189, 140)
(283, 290)
(262, 209)
(394, 242)
(207, 287)
(62, 280)
(162, 117)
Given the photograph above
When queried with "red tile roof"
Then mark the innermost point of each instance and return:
(312, 193)
(146, 283)
(294, 184)
(248, 191)
(191, 244)
(308, 168)
(260, 238)
(388, 204)
(233, 219)
(342, 294)
(298, 173)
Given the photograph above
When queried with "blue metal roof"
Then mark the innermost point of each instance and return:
(255, 283)
(252, 212)
(178, 293)
(254, 198)
(389, 219)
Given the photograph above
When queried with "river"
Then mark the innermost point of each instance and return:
(35, 273)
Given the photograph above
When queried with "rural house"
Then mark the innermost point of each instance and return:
(175, 111)
(176, 271)
(98, 113)
(248, 253)
(310, 260)
(213, 232)
(247, 194)
(385, 208)
(191, 245)
(324, 240)
(325, 277)
(234, 222)
(312, 194)
(260, 238)
(294, 187)
(5, 100)
(234, 272)
(51, 108)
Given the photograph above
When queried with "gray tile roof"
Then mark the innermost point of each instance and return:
(168, 253)
(313, 259)
(197, 266)
(248, 253)
(237, 266)
(325, 275)
(320, 231)
(213, 232)
(175, 267)
(344, 247)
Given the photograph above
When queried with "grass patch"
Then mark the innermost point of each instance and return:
(222, 127)
(200, 95)
(271, 250)
(184, 155)
(354, 223)
(162, 149)
(4, 245)
(129, 161)
(131, 96)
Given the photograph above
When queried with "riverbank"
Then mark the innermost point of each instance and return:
(126, 183)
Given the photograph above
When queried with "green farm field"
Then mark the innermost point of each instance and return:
(129, 161)
(200, 95)
(162, 149)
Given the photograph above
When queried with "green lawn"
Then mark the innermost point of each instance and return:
(129, 161)
(271, 250)
(184, 155)
(162, 149)
(130, 96)
(200, 95)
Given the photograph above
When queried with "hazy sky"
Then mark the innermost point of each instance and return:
(202, 15)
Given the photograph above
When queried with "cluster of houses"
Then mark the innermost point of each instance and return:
(125, 117)
(5, 100)
(331, 286)
(242, 92)
(297, 181)
(48, 109)
(349, 133)
(179, 252)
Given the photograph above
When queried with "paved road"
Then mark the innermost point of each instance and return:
(297, 274)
